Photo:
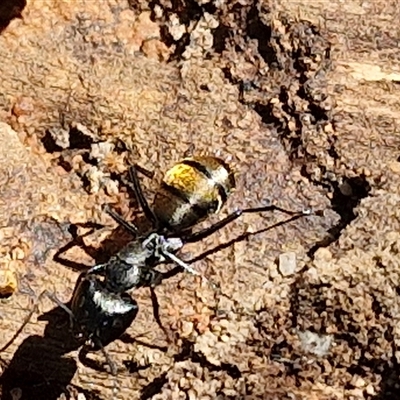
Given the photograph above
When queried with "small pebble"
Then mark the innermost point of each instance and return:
(224, 338)
(187, 328)
(287, 263)
(8, 282)
(17, 253)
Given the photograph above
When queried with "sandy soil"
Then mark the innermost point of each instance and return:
(301, 98)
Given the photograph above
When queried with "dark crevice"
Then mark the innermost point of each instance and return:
(220, 34)
(133, 366)
(284, 354)
(332, 150)
(265, 112)
(79, 140)
(180, 46)
(188, 12)
(66, 165)
(153, 387)
(346, 197)
(318, 112)
(377, 308)
(256, 29)
(50, 144)
(9, 10)
(348, 336)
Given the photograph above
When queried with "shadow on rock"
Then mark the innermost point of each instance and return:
(10, 9)
(39, 367)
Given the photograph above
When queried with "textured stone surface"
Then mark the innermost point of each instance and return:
(301, 98)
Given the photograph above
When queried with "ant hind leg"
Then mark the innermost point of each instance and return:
(88, 361)
(202, 234)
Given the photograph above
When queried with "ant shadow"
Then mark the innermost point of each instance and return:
(39, 367)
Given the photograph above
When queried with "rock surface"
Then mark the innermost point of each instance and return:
(301, 98)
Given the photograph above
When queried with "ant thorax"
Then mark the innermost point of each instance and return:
(132, 267)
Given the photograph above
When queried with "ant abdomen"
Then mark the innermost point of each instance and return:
(192, 190)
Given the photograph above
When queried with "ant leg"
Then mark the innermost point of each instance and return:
(110, 363)
(156, 313)
(148, 212)
(86, 349)
(197, 236)
(144, 171)
(35, 309)
(60, 304)
(244, 236)
(131, 228)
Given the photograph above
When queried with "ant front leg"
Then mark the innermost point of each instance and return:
(240, 238)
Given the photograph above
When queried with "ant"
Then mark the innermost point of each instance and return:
(101, 309)
(191, 190)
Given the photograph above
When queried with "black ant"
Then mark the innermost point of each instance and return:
(101, 309)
